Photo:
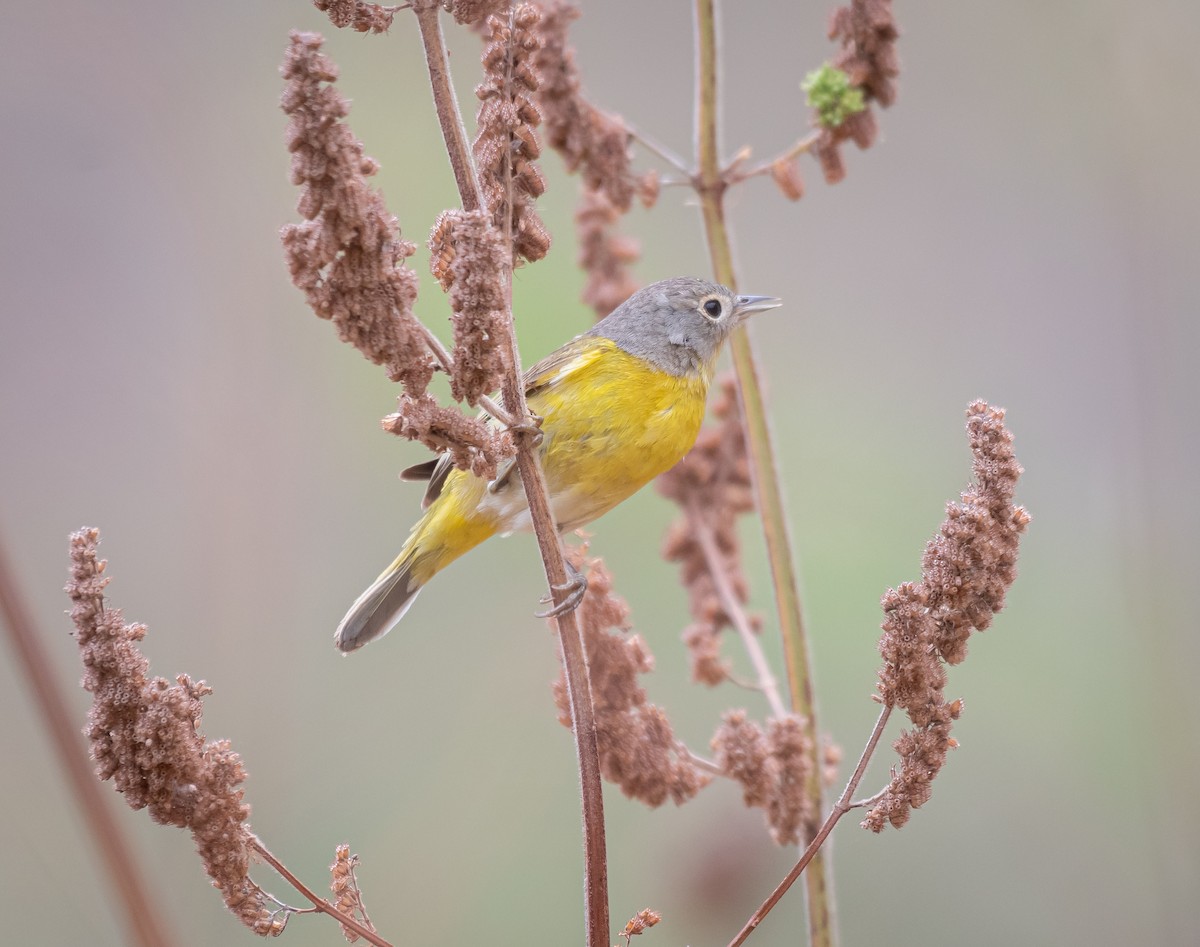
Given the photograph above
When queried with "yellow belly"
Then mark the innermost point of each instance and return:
(612, 428)
(611, 424)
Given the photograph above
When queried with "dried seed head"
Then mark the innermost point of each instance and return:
(144, 734)
(472, 444)
(966, 571)
(590, 141)
(467, 256)
(506, 145)
(363, 17)
(712, 485)
(605, 255)
(638, 748)
(347, 256)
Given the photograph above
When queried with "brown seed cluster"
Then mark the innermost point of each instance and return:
(638, 748)
(590, 141)
(467, 256)
(473, 445)
(966, 570)
(712, 485)
(638, 924)
(347, 898)
(507, 146)
(347, 255)
(772, 767)
(867, 31)
(364, 17)
(472, 11)
(144, 734)
(605, 254)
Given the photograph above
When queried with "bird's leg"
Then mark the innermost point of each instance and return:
(531, 426)
(576, 585)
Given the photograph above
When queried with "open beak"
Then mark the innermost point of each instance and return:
(746, 305)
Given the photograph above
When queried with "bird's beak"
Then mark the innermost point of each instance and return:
(747, 305)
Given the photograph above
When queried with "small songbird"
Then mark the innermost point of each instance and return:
(620, 405)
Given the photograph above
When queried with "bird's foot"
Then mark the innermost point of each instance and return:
(576, 587)
(532, 427)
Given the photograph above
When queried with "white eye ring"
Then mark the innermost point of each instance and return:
(712, 308)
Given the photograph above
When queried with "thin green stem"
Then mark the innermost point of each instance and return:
(711, 183)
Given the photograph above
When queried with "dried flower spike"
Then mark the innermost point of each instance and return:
(467, 256)
(867, 60)
(144, 735)
(472, 443)
(507, 145)
(638, 749)
(639, 923)
(590, 141)
(347, 897)
(347, 255)
(360, 16)
(772, 769)
(967, 569)
(712, 485)
(605, 255)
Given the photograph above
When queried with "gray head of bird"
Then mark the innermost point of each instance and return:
(679, 324)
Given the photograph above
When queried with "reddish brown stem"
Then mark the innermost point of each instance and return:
(121, 868)
(840, 808)
(319, 903)
(583, 723)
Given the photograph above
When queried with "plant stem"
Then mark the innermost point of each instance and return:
(453, 131)
(811, 853)
(711, 183)
(583, 723)
(121, 867)
(736, 614)
(318, 903)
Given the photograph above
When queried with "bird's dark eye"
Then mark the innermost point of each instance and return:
(713, 308)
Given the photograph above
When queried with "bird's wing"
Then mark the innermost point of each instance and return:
(560, 363)
(576, 354)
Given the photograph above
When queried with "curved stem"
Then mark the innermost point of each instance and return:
(840, 808)
(711, 185)
(319, 904)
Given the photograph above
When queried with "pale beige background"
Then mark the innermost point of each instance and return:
(1024, 231)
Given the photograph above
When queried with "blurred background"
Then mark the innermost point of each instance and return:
(1024, 231)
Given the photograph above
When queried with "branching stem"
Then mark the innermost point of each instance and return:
(711, 183)
(583, 723)
(318, 903)
(840, 808)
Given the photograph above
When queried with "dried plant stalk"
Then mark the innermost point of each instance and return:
(712, 485)
(605, 255)
(507, 145)
(467, 256)
(357, 15)
(590, 141)
(867, 31)
(638, 748)
(966, 571)
(144, 735)
(347, 255)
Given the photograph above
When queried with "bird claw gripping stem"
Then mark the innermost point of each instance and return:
(576, 584)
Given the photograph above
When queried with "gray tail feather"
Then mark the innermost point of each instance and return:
(377, 610)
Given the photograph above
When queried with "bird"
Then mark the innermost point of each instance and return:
(619, 405)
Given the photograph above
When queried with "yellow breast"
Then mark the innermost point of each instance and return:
(613, 423)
